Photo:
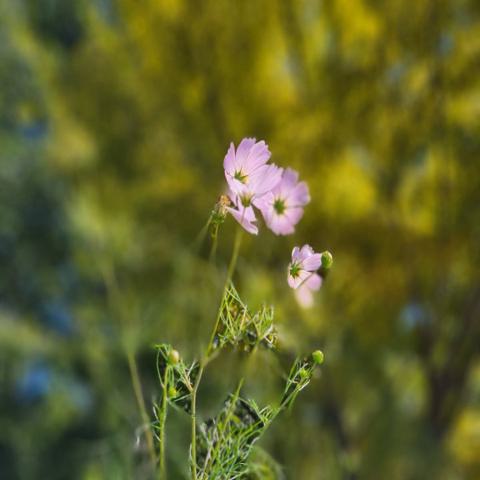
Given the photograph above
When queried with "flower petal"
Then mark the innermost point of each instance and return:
(243, 150)
(300, 279)
(296, 254)
(294, 215)
(290, 177)
(265, 204)
(257, 156)
(313, 282)
(264, 179)
(312, 263)
(239, 188)
(245, 217)
(279, 224)
(229, 160)
(304, 296)
(306, 251)
(299, 196)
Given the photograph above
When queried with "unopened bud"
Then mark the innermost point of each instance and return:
(303, 374)
(318, 357)
(173, 357)
(220, 210)
(327, 260)
(172, 392)
(223, 202)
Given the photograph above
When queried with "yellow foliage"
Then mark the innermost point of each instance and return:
(346, 189)
(465, 440)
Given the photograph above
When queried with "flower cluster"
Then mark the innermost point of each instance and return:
(253, 182)
(277, 193)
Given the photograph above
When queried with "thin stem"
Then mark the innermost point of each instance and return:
(194, 421)
(132, 365)
(113, 297)
(203, 363)
(162, 421)
(233, 260)
(231, 269)
(213, 248)
(202, 234)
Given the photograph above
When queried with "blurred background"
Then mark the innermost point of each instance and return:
(115, 116)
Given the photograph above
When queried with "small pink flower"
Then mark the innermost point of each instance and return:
(302, 276)
(247, 172)
(283, 209)
(245, 216)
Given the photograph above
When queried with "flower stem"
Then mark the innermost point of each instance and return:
(194, 421)
(204, 361)
(231, 269)
(202, 234)
(213, 248)
(162, 421)
(132, 365)
(114, 300)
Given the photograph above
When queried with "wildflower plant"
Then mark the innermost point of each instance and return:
(221, 446)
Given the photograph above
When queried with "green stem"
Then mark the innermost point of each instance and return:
(202, 234)
(162, 421)
(203, 363)
(231, 269)
(114, 299)
(213, 248)
(132, 365)
(194, 421)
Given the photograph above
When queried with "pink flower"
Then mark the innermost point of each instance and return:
(249, 178)
(245, 216)
(247, 172)
(283, 209)
(302, 276)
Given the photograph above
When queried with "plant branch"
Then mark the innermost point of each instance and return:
(162, 421)
(203, 363)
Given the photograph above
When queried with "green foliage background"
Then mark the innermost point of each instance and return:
(115, 116)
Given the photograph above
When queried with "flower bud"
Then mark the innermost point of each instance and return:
(173, 357)
(220, 211)
(303, 374)
(172, 392)
(318, 357)
(327, 260)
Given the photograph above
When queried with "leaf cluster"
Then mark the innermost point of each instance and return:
(224, 442)
(176, 377)
(239, 328)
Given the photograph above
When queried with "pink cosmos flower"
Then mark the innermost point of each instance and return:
(249, 178)
(283, 209)
(245, 216)
(302, 276)
(247, 172)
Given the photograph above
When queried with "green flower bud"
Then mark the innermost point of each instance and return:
(327, 260)
(173, 357)
(172, 392)
(318, 357)
(303, 374)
